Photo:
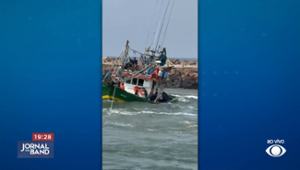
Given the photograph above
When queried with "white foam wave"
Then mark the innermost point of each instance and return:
(187, 122)
(151, 130)
(118, 124)
(176, 132)
(191, 97)
(190, 124)
(181, 99)
(124, 112)
(185, 98)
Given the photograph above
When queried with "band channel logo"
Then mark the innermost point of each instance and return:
(41, 146)
(276, 149)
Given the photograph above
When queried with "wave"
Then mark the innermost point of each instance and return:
(130, 113)
(181, 98)
(117, 124)
(190, 124)
(185, 98)
(191, 97)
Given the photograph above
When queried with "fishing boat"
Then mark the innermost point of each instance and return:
(143, 80)
(139, 83)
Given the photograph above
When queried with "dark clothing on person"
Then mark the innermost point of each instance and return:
(164, 52)
(145, 91)
(128, 65)
(165, 97)
(152, 96)
(134, 61)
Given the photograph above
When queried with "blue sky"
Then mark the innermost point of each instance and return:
(131, 19)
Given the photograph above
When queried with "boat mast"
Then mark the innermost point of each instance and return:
(155, 42)
(164, 35)
(161, 28)
(157, 49)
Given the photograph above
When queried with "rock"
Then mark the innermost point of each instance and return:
(192, 63)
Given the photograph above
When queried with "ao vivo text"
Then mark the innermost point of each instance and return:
(42, 136)
(275, 141)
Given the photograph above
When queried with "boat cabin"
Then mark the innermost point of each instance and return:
(144, 81)
(139, 81)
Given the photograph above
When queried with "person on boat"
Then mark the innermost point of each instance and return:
(155, 73)
(163, 58)
(122, 86)
(134, 62)
(136, 90)
(152, 96)
(128, 65)
(125, 62)
(165, 97)
(142, 92)
(164, 51)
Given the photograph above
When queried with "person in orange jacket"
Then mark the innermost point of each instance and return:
(122, 86)
(155, 73)
(136, 90)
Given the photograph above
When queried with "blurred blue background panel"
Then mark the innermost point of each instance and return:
(50, 81)
(250, 78)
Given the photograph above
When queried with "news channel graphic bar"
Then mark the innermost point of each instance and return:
(42, 136)
(41, 146)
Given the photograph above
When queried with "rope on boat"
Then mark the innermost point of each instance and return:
(157, 23)
(113, 98)
(149, 66)
(142, 70)
(162, 25)
(156, 98)
(151, 24)
(113, 65)
(162, 44)
(160, 91)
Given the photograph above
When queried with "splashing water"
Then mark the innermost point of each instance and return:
(151, 136)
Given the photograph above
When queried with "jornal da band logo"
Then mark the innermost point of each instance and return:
(38, 148)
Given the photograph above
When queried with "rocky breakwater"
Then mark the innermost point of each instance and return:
(182, 73)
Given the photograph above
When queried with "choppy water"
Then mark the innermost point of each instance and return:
(151, 136)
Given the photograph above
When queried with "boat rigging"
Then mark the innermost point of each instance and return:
(148, 75)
